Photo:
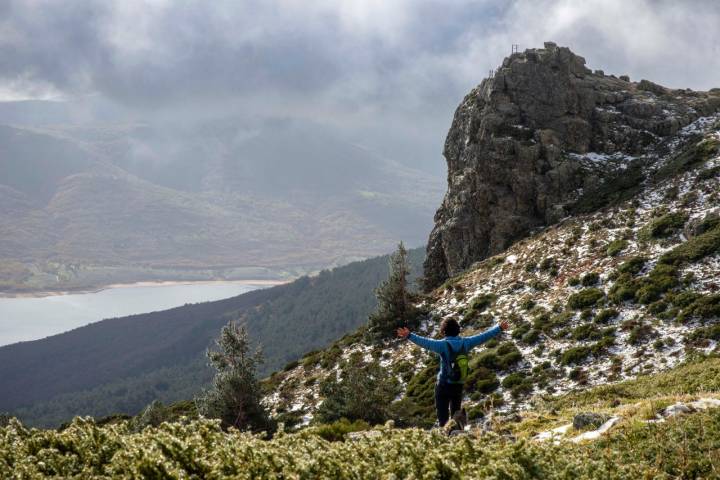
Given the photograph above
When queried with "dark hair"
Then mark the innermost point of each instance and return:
(449, 328)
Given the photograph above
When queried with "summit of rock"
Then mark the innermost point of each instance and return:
(543, 138)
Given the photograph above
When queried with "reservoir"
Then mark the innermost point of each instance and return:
(32, 318)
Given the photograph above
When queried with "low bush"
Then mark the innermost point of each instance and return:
(696, 248)
(632, 266)
(587, 331)
(590, 279)
(615, 247)
(478, 305)
(337, 431)
(708, 173)
(481, 379)
(574, 355)
(641, 333)
(513, 379)
(586, 298)
(531, 337)
(703, 307)
(604, 316)
(663, 226)
(682, 448)
(527, 303)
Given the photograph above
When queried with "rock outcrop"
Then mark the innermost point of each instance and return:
(541, 139)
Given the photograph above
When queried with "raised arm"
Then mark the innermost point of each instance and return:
(476, 340)
(437, 346)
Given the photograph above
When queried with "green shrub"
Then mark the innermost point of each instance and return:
(513, 379)
(364, 392)
(527, 303)
(663, 226)
(586, 298)
(709, 173)
(290, 365)
(587, 331)
(605, 315)
(574, 355)
(658, 307)
(501, 358)
(615, 247)
(489, 359)
(547, 324)
(520, 330)
(578, 375)
(337, 431)
(641, 333)
(590, 279)
(703, 307)
(694, 249)
(632, 266)
(707, 148)
(523, 388)
(330, 356)
(624, 288)
(547, 263)
(573, 281)
(478, 305)
(481, 379)
(531, 336)
(705, 333)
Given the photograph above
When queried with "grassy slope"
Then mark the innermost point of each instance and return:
(684, 447)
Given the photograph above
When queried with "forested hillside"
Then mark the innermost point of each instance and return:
(120, 365)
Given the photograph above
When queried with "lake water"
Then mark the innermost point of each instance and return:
(27, 318)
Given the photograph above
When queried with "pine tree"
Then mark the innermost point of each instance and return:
(235, 394)
(396, 303)
(365, 392)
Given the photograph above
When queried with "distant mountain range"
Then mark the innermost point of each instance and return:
(86, 206)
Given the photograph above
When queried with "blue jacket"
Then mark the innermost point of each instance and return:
(441, 347)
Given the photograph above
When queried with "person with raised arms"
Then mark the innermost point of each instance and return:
(453, 351)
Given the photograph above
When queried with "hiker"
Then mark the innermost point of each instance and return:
(453, 350)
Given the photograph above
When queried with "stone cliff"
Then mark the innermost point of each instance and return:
(545, 137)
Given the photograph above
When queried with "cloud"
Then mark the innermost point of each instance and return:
(392, 69)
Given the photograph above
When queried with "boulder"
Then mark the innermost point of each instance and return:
(677, 409)
(588, 419)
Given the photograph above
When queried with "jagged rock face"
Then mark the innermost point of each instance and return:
(543, 138)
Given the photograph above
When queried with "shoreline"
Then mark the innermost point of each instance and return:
(147, 283)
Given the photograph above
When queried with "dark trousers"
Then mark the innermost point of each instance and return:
(447, 395)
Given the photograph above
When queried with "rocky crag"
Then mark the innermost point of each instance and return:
(543, 138)
(602, 296)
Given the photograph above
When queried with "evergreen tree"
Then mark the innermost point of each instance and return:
(235, 394)
(365, 391)
(396, 303)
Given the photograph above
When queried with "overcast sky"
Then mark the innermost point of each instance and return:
(392, 69)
